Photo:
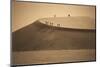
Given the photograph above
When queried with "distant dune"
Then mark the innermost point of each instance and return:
(39, 36)
(75, 22)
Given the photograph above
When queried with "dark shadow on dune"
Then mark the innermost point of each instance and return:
(38, 36)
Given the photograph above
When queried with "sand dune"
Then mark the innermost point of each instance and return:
(75, 22)
(38, 36)
(39, 43)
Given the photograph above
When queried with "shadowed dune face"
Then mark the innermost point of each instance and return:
(38, 36)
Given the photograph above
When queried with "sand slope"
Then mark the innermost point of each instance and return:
(38, 36)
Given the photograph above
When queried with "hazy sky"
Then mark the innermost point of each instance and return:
(25, 13)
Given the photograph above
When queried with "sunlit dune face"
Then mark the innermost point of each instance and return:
(76, 22)
(25, 13)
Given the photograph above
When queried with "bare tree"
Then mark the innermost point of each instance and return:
(68, 14)
(51, 24)
(58, 25)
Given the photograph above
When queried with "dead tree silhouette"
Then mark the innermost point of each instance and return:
(58, 25)
(69, 15)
